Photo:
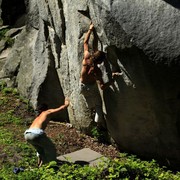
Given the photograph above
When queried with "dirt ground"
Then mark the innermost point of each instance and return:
(67, 139)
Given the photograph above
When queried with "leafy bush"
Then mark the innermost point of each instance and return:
(130, 168)
(100, 134)
(8, 90)
(2, 85)
(3, 32)
(8, 39)
(96, 133)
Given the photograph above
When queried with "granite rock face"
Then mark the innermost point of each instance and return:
(141, 39)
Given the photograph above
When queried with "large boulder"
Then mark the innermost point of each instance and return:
(141, 39)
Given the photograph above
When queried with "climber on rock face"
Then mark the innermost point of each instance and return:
(91, 75)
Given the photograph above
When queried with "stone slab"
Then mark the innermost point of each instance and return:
(83, 156)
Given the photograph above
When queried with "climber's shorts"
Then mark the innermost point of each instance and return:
(91, 94)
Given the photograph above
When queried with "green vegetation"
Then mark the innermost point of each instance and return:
(8, 39)
(100, 134)
(15, 152)
(96, 133)
(3, 32)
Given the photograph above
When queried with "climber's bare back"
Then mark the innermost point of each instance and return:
(41, 121)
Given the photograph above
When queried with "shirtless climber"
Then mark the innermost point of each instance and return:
(36, 136)
(90, 74)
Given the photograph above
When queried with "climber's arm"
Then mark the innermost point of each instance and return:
(86, 40)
